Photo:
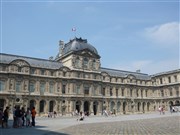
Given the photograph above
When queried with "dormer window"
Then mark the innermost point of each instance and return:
(42, 72)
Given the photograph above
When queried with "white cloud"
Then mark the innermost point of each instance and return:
(165, 34)
(149, 66)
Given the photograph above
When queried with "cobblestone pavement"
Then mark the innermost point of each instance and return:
(135, 124)
(154, 126)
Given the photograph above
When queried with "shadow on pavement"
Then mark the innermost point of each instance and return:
(37, 130)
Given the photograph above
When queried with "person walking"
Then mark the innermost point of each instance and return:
(28, 116)
(33, 115)
(6, 117)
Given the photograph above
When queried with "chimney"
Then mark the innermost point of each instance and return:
(61, 47)
(138, 71)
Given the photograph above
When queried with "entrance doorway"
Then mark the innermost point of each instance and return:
(86, 107)
(124, 107)
(95, 106)
(78, 106)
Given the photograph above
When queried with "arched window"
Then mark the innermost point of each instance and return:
(118, 106)
(170, 92)
(162, 93)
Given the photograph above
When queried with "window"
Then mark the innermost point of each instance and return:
(94, 64)
(131, 91)
(51, 88)
(141, 93)
(85, 63)
(64, 74)
(175, 78)
(78, 89)
(31, 87)
(42, 88)
(18, 86)
(111, 93)
(103, 91)
(86, 90)
(177, 92)
(146, 93)
(42, 72)
(64, 89)
(117, 92)
(51, 73)
(161, 81)
(169, 79)
(122, 90)
(2, 85)
(170, 92)
(32, 71)
(19, 69)
(162, 93)
(77, 62)
(137, 93)
(104, 77)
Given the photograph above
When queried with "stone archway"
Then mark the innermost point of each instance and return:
(143, 106)
(32, 104)
(112, 106)
(139, 106)
(148, 106)
(86, 107)
(51, 106)
(124, 107)
(118, 106)
(42, 106)
(95, 107)
(170, 103)
(177, 102)
(78, 106)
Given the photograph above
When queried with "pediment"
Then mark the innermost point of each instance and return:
(87, 53)
(20, 63)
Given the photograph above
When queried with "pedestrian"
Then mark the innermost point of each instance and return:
(171, 110)
(81, 118)
(1, 117)
(33, 115)
(28, 116)
(160, 109)
(23, 115)
(14, 118)
(6, 117)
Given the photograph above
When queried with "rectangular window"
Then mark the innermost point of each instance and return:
(175, 78)
(103, 92)
(122, 90)
(42, 88)
(2, 85)
(116, 92)
(18, 86)
(86, 90)
(32, 71)
(169, 79)
(51, 88)
(64, 89)
(111, 93)
(78, 89)
(42, 72)
(31, 87)
(161, 81)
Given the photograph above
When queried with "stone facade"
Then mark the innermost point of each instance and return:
(75, 80)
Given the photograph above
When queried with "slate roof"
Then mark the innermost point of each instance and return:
(77, 44)
(121, 73)
(34, 62)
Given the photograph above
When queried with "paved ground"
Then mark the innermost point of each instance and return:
(139, 124)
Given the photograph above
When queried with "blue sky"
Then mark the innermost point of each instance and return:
(129, 35)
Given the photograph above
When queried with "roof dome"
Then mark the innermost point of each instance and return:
(78, 44)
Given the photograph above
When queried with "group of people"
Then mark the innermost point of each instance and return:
(21, 117)
(161, 110)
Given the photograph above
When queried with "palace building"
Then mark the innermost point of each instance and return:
(75, 80)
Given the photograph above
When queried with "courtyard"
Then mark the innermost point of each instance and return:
(136, 124)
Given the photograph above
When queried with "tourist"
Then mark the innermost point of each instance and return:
(1, 117)
(81, 118)
(14, 118)
(6, 117)
(23, 115)
(28, 116)
(33, 114)
(160, 110)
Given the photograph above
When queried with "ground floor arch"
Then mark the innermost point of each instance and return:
(86, 106)
(78, 106)
(124, 107)
(95, 107)
(42, 106)
(51, 105)
(2, 103)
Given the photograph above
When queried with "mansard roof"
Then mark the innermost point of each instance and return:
(76, 45)
(166, 73)
(124, 74)
(34, 62)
